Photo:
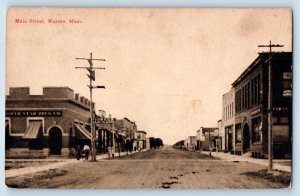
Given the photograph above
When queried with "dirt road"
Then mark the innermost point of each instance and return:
(160, 168)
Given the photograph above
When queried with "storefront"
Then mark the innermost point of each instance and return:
(53, 123)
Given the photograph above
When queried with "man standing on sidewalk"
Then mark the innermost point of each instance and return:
(86, 150)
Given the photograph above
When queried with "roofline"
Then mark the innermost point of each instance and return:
(254, 64)
(251, 67)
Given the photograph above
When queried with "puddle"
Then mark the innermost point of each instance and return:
(167, 185)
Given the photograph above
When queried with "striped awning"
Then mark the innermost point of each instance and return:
(82, 132)
(32, 131)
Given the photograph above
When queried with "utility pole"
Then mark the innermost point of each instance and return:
(209, 142)
(270, 107)
(92, 78)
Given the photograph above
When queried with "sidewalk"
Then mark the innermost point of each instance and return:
(282, 165)
(62, 162)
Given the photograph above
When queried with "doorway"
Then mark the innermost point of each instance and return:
(230, 139)
(246, 138)
(55, 141)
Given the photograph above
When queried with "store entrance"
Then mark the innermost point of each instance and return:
(55, 141)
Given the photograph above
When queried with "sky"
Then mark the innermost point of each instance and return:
(166, 69)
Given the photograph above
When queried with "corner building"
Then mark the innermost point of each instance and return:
(251, 106)
(53, 123)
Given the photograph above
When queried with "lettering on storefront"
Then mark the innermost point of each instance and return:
(31, 113)
(280, 109)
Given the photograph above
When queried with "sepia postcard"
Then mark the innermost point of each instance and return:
(159, 98)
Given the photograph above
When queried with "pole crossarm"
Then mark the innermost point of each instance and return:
(91, 75)
(90, 59)
(96, 86)
(270, 46)
(89, 68)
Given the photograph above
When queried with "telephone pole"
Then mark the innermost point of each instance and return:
(92, 78)
(270, 107)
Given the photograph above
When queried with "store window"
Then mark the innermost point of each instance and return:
(34, 133)
(256, 130)
(238, 135)
(7, 133)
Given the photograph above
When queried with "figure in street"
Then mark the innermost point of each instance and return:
(78, 152)
(86, 149)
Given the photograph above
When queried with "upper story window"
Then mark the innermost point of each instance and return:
(287, 84)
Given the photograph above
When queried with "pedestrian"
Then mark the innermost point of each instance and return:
(108, 151)
(86, 150)
(78, 152)
(113, 152)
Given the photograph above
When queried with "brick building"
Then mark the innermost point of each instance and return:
(53, 123)
(251, 106)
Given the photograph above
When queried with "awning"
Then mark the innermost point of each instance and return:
(33, 129)
(82, 133)
(122, 134)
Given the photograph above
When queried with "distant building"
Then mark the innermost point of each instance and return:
(140, 140)
(179, 144)
(190, 142)
(228, 121)
(219, 136)
(206, 137)
(128, 126)
(251, 106)
(148, 147)
(109, 134)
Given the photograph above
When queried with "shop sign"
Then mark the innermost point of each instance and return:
(33, 113)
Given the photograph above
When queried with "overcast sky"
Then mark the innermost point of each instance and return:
(166, 69)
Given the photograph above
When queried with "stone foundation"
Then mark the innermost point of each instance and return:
(26, 153)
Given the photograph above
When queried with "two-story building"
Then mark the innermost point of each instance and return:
(206, 137)
(228, 121)
(140, 140)
(190, 142)
(251, 96)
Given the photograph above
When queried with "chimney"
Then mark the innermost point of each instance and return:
(82, 99)
(77, 96)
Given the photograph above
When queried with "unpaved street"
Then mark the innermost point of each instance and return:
(159, 168)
